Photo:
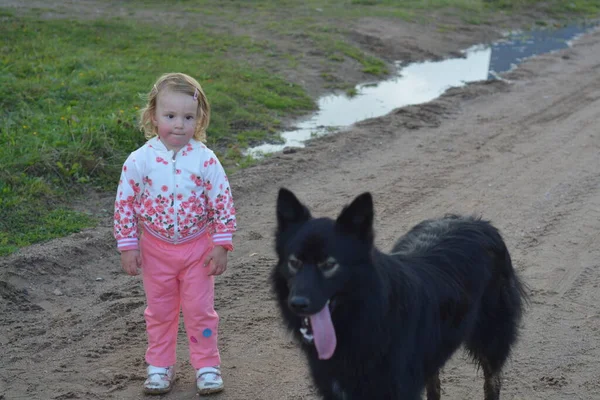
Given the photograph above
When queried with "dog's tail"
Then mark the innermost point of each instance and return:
(516, 290)
(519, 285)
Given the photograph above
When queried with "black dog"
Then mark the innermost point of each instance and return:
(380, 326)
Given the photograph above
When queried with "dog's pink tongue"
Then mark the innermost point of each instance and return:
(323, 333)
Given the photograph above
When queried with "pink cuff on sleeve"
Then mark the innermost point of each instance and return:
(127, 244)
(223, 239)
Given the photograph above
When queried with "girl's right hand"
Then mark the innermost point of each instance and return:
(131, 262)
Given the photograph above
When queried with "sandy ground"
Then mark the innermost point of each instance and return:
(524, 153)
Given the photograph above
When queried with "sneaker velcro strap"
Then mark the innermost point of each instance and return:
(208, 370)
(158, 370)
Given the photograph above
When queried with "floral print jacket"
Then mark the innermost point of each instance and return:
(176, 199)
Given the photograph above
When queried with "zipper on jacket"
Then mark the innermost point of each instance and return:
(176, 214)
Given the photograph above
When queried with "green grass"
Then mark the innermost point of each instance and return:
(70, 94)
(70, 90)
(553, 8)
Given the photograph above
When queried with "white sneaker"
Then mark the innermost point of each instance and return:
(160, 380)
(208, 380)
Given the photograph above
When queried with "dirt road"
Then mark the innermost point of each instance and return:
(524, 153)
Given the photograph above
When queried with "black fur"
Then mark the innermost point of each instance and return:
(398, 317)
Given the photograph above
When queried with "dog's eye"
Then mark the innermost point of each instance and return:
(294, 264)
(328, 265)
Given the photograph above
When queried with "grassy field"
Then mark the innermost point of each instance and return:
(70, 90)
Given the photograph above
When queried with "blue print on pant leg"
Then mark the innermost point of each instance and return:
(206, 333)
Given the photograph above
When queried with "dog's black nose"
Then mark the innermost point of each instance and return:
(299, 303)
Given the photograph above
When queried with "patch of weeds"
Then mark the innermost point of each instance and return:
(351, 92)
(329, 77)
(336, 57)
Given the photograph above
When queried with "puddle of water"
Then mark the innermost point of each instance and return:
(422, 82)
(516, 47)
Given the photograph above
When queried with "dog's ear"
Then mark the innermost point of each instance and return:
(357, 218)
(290, 210)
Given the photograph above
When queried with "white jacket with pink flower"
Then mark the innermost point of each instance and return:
(176, 199)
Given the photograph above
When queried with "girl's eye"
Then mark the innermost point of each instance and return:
(189, 118)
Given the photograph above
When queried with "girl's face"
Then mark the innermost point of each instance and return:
(175, 118)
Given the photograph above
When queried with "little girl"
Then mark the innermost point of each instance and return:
(174, 221)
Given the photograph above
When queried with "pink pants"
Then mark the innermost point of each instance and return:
(174, 277)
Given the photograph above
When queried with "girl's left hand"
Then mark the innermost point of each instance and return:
(216, 260)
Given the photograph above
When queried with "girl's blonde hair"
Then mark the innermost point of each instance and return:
(180, 83)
